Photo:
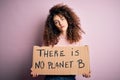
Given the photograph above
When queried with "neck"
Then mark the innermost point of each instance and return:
(64, 34)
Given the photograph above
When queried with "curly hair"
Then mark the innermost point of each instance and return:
(52, 33)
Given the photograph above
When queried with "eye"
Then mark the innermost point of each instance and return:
(56, 22)
(62, 18)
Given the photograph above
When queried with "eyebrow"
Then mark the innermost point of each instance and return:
(55, 20)
(61, 16)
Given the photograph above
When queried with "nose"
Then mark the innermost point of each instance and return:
(60, 23)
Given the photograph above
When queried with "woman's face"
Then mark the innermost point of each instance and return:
(60, 22)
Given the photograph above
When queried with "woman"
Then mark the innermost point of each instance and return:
(62, 28)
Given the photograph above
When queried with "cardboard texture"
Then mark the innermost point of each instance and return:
(60, 60)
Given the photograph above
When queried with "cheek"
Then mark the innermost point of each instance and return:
(57, 26)
(66, 24)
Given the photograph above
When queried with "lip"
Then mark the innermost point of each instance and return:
(61, 26)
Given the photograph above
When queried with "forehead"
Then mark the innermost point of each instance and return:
(57, 16)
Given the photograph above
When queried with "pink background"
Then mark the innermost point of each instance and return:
(21, 27)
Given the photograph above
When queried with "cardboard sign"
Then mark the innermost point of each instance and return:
(60, 60)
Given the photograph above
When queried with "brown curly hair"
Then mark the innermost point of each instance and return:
(52, 33)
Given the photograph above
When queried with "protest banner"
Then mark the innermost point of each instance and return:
(60, 60)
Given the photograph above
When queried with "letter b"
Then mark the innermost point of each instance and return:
(80, 63)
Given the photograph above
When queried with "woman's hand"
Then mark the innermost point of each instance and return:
(86, 75)
(32, 73)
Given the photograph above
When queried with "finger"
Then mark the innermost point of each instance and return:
(86, 75)
(83, 74)
(34, 75)
(90, 71)
(31, 69)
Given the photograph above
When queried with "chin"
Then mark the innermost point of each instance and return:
(64, 29)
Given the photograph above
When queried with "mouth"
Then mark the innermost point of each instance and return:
(61, 26)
